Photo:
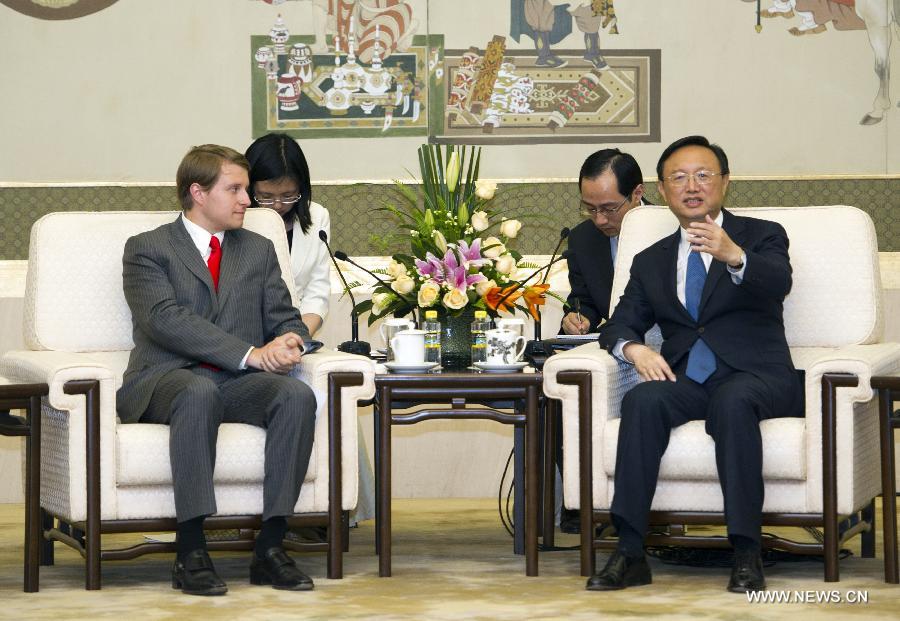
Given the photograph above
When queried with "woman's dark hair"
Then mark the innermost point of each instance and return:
(275, 156)
(623, 165)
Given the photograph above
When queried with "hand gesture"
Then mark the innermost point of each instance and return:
(278, 355)
(711, 238)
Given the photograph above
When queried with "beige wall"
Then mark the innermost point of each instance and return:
(120, 95)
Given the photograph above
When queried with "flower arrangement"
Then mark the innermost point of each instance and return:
(460, 256)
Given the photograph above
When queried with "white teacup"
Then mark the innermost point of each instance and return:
(504, 346)
(392, 326)
(516, 324)
(409, 346)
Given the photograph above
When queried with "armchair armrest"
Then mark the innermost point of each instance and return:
(610, 380)
(314, 370)
(64, 423)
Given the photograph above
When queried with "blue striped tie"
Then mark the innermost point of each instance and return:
(701, 360)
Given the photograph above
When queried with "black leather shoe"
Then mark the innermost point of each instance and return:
(747, 573)
(195, 575)
(279, 570)
(621, 572)
(570, 521)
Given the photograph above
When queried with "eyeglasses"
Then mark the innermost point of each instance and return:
(592, 212)
(268, 202)
(702, 177)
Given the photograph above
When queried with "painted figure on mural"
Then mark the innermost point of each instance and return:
(547, 22)
(389, 22)
(815, 14)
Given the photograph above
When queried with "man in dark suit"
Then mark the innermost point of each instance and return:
(716, 288)
(214, 334)
(611, 183)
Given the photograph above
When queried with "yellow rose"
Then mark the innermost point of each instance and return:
(505, 264)
(403, 285)
(480, 221)
(485, 189)
(381, 301)
(482, 287)
(428, 294)
(510, 228)
(496, 251)
(396, 270)
(455, 299)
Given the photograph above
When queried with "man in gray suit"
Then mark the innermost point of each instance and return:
(215, 333)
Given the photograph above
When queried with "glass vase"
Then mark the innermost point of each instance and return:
(456, 340)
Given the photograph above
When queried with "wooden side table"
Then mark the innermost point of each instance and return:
(456, 388)
(28, 398)
(888, 388)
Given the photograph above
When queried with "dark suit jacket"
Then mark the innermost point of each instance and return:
(590, 272)
(179, 320)
(742, 324)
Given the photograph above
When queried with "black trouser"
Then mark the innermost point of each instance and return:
(732, 403)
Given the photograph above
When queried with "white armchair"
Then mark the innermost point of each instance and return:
(98, 476)
(815, 468)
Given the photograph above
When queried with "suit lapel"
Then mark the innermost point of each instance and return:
(735, 229)
(670, 270)
(187, 253)
(232, 250)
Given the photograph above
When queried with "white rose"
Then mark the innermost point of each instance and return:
(496, 251)
(455, 299)
(505, 264)
(396, 270)
(403, 285)
(510, 228)
(483, 286)
(428, 294)
(381, 301)
(479, 221)
(485, 189)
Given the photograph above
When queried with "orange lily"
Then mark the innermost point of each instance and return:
(534, 297)
(499, 299)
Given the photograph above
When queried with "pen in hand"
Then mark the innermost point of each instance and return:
(578, 311)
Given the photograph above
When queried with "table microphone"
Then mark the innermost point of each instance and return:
(354, 345)
(536, 350)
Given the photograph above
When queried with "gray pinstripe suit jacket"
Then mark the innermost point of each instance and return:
(179, 320)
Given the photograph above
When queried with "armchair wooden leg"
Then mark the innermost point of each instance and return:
(582, 379)
(830, 383)
(336, 545)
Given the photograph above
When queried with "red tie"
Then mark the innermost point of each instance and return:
(215, 257)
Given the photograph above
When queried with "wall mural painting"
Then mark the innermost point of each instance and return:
(57, 9)
(879, 18)
(365, 72)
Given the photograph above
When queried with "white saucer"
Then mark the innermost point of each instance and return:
(493, 367)
(406, 367)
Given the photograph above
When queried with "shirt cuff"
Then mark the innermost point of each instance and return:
(737, 274)
(243, 365)
(618, 350)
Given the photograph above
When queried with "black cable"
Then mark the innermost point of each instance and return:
(506, 525)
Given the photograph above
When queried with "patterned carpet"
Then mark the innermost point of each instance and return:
(452, 560)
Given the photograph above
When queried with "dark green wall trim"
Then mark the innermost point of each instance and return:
(359, 228)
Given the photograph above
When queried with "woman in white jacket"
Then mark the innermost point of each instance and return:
(279, 179)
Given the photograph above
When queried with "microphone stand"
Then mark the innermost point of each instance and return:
(536, 350)
(354, 345)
